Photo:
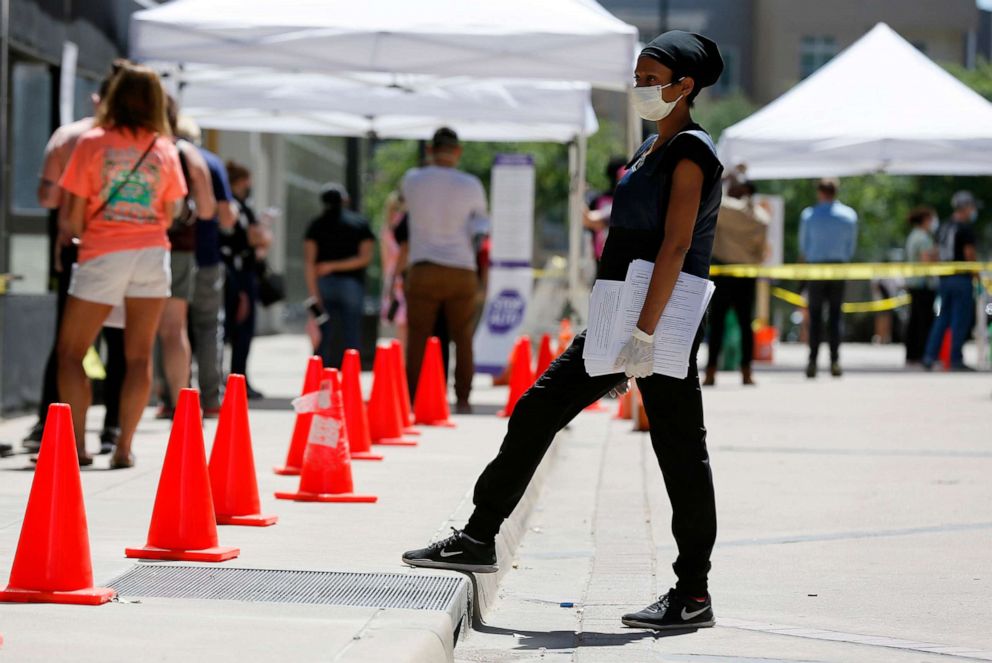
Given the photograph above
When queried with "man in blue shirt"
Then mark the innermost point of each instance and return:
(828, 233)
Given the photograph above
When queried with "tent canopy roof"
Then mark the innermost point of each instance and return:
(547, 39)
(401, 106)
(880, 105)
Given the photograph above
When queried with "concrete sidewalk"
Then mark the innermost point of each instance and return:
(419, 488)
(854, 526)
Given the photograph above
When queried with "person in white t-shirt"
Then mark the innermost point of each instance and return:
(448, 217)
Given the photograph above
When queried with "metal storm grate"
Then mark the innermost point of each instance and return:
(366, 590)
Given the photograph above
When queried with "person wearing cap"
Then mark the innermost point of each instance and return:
(741, 239)
(956, 243)
(447, 219)
(337, 248)
(665, 211)
(828, 233)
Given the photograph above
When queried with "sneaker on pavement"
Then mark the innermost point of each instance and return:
(32, 441)
(457, 552)
(672, 611)
(6, 450)
(811, 370)
(835, 370)
(108, 440)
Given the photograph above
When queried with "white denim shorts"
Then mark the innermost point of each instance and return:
(113, 277)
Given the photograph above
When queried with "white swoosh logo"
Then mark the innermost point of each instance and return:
(686, 615)
(445, 553)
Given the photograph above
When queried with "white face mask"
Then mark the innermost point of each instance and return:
(650, 105)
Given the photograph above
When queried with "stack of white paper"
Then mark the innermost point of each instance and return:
(615, 306)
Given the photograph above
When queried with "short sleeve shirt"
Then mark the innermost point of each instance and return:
(140, 213)
(640, 204)
(208, 231)
(339, 239)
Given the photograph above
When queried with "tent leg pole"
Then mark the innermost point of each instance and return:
(982, 324)
(577, 167)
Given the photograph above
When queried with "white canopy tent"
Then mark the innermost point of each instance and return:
(550, 40)
(547, 39)
(879, 106)
(407, 106)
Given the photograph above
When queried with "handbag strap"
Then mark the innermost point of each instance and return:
(117, 188)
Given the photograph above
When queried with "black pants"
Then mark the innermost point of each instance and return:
(920, 320)
(831, 294)
(114, 338)
(736, 294)
(240, 333)
(675, 410)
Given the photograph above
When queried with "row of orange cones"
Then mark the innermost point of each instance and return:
(52, 562)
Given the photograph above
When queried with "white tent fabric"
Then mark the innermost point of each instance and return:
(408, 106)
(879, 106)
(545, 39)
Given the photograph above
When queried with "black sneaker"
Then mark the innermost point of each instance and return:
(32, 441)
(835, 369)
(457, 552)
(108, 440)
(672, 611)
(811, 370)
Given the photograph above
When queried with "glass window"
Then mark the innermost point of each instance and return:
(31, 101)
(82, 103)
(814, 52)
(29, 260)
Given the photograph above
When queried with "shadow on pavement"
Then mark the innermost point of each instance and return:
(536, 640)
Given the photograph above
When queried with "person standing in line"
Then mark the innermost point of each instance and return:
(664, 210)
(923, 221)
(125, 178)
(206, 311)
(173, 332)
(337, 248)
(448, 218)
(741, 239)
(240, 250)
(64, 253)
(597, 218)
(956, 243)
(393, 305)
(828, 233)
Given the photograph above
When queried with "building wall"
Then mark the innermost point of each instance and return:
(943, 29)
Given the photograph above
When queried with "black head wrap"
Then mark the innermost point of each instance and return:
(687, 54)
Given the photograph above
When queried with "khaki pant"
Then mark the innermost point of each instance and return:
(432, 288)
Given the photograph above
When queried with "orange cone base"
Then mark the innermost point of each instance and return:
(287, 471)
(395, 442)
(253, 520)
(327, 497)
(595, 407)
(366, 455)
(88, 596)
(447, 423)
(504, 413)
(410, 430)
(216, 554)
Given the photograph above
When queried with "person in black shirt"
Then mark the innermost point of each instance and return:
(336, 250)
(956, 242)
(664, 211)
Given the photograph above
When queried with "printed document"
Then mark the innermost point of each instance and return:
(614, 307)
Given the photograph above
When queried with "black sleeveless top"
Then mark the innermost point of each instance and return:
(637, 221)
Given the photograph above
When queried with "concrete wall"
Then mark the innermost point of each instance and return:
(940, 27)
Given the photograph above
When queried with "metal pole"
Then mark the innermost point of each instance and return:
(577, 294)
(4, 131)
(662, 16)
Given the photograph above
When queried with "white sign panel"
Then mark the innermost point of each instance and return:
(512, 207)
(502, 318)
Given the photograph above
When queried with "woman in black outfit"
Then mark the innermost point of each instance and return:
(665, 211)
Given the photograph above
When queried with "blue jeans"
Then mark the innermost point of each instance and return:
(343, 297)
(957, 305)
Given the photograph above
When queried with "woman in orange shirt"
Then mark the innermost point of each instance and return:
(125, 178)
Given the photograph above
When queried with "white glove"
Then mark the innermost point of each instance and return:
(636, 359)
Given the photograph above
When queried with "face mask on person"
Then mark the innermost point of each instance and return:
(649, 103)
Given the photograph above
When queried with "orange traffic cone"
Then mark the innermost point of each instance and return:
(624, 408)
(348, 382)
(294, 458)
(183, 523)
(385, 419)
(52, 563)
(326, 474)
(232, 463)
(565, 335)
(544, 355)
(641, 423)
(522, 376)
(430, 407)
(402, 387)
(945, 350)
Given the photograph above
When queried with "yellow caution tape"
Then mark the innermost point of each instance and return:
(876, 306)
(862, 271)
